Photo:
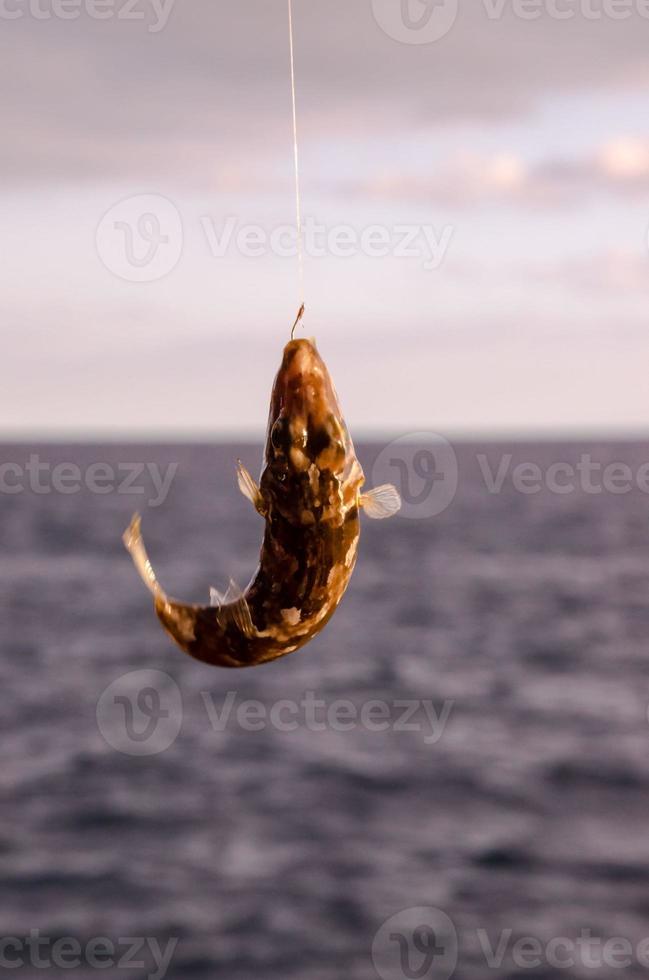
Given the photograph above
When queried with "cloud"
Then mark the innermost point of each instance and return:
(97, 111)
(108, 98)
(618, 167)
(616, 272)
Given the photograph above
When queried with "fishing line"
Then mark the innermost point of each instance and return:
(296, 156)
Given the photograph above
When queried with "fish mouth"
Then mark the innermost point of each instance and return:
(305, 423)
(303, 385)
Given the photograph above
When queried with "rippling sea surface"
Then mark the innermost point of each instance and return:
(277, 850)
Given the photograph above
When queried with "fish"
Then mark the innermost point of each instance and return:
(310, 496)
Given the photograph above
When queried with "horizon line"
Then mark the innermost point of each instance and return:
(247, 437)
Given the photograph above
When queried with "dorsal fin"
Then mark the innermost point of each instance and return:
(216, 598)
(233, 605)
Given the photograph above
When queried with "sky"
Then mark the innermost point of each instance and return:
(475, 196)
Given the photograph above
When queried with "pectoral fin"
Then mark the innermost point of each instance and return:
(382, 502)
(249, 488)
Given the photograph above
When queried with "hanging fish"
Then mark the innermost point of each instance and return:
(309, 496)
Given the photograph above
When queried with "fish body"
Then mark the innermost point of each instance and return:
(310, 497)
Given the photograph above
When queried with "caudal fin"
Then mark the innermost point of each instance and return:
(132, 539)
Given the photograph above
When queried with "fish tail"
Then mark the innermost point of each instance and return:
(134, 544)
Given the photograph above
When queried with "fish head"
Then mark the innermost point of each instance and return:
(307, 434)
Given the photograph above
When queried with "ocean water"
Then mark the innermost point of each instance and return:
(513, 804)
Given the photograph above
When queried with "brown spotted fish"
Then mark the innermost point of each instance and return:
(309, 496)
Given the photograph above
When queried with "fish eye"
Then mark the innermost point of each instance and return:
(278, 434)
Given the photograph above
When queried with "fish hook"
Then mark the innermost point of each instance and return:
(300, 314)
